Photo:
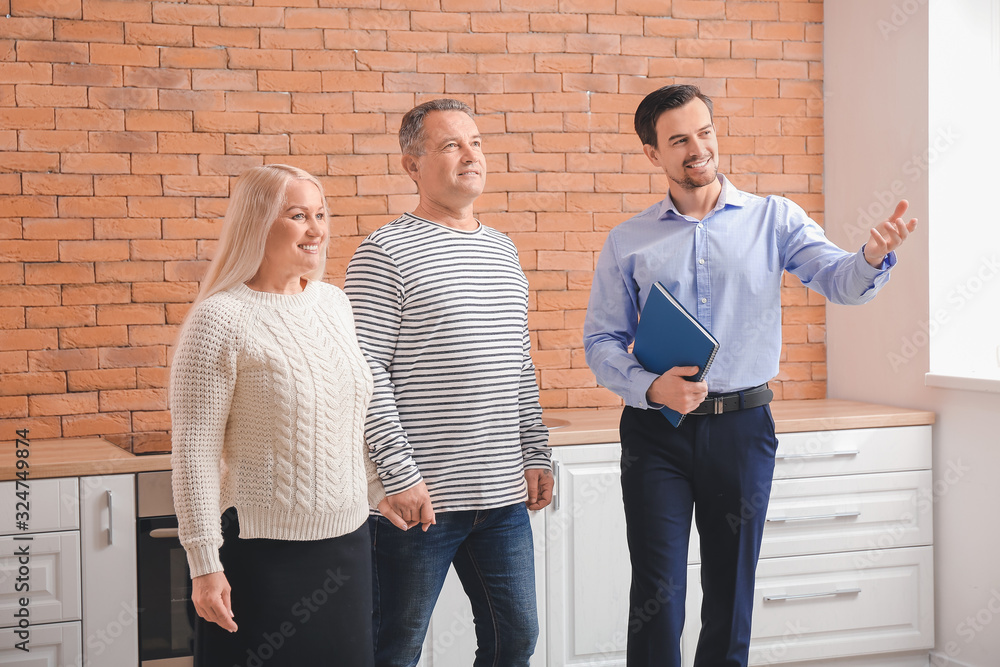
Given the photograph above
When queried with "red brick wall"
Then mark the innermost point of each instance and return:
(124, 122)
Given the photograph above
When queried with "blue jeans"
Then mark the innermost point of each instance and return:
(492, 552)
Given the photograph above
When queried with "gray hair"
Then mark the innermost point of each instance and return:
(411, 130)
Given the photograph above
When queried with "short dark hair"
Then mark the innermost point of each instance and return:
(411, 129)
(664, 99)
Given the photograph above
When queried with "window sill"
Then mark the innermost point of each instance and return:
(962, 382)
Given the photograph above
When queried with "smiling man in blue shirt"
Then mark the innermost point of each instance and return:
(721, 252)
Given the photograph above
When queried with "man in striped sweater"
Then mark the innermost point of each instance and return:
(454, 425)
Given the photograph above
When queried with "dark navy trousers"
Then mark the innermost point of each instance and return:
(719, 467)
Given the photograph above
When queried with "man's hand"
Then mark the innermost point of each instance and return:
(677, 393)
(888, 235)
(540, 484)
(386, 510)
(413, 506)
(210, 594)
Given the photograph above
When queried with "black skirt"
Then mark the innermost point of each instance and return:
(296, 603)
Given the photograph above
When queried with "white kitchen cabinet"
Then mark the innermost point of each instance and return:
(52, 645)
(107, 531)
(80, 585)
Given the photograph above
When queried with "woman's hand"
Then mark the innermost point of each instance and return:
(210, 595)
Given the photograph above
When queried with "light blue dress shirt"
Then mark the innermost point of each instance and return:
(726, 270)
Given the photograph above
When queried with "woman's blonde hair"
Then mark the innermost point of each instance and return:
(256, 202)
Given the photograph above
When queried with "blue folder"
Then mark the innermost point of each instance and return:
(668, 336)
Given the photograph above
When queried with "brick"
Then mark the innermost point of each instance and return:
(151, 421)
(362, 40)
(117, 10)
(31, 95)
(473, 83)
(13, 406)
(291, 39)
(122, 98)
(94, 294)
(28, 339)
(778, 30)
(246, 17)
(57, 184)
(71, 9)
(15, 384)
(604, 44)
(153, 335)
(210, 79)
(500, 22)
(100, 379)
(183, 14)
(62, 360)
(26, 72)
(103, 424)
(40, 273)
(60, 316)
(193, 271)
(133, 357)
(240, 37)
(29, 251)
(193, 58)
(164, 164)
(259, 102)
(23, 119)
(163, 292)
(197, 143)
(383, 102)
(270, 59)
(159, 34)
(62, 404)
(615, 25)
(160, 77)
(477, 43)
(754, 88)
(133, 399)
(90, 119)
(128, 272)
(125, 228)
(558, 23)
(292, 123)
(439, 22)
(15, 361)
(93, 337)
(227, 165)
(90, 32)
(124, 54)
(12, 318)
(27, 28)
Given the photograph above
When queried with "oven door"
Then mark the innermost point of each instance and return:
(166, 613)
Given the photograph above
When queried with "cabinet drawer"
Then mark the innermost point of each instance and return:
(863, 450)
(863, 513)
(56, 645)
(53, 578)
(53, 504)
(814, 607)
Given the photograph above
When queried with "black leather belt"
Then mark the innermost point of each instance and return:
(739, 400)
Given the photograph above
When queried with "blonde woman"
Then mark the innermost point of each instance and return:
(269, 393)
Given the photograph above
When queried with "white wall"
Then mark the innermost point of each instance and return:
(877, 142)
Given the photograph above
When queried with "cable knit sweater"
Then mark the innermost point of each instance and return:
(269, 394)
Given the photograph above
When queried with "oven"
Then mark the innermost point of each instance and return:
(166, 613)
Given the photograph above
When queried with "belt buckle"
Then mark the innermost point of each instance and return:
(717, 405)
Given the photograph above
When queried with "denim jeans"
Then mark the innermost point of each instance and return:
(492, 552)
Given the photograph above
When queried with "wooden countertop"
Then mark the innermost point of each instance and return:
(95, 456)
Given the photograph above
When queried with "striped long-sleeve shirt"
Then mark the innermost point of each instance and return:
(442, 317)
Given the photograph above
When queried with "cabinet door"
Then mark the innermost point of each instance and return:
(54, 504)
(810, 608)
(53, 572)
(451, 637)
(587, 559)
(55, 645)
(854, 451)
(107, 532)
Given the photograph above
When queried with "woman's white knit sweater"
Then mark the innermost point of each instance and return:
(268, 395)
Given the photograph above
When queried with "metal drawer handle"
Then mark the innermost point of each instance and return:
(819, 455)
(111, 524)
(555, 486)
(813, 517)
(803, 596)
(163, 533)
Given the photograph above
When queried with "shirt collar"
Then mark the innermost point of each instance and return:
(730, 196)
